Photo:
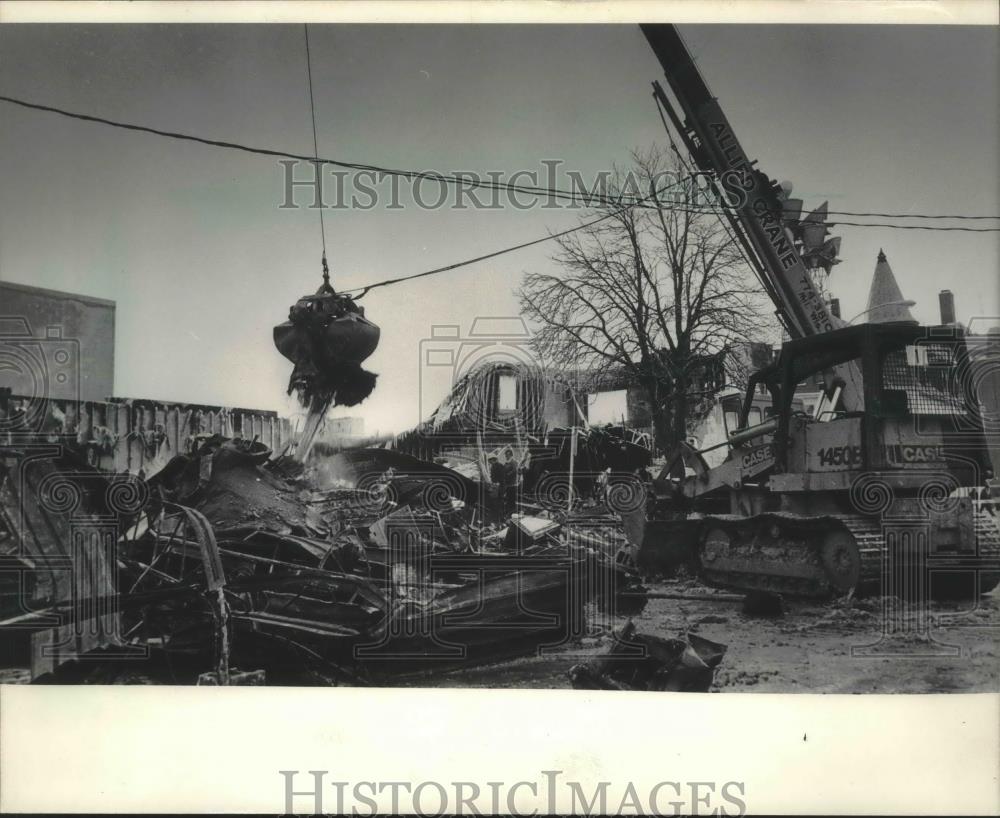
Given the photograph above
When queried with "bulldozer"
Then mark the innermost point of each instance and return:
(884, 486)
(889, 499)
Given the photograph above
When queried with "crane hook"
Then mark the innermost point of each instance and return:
(326, 277)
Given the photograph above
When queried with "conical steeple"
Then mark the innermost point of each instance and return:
(885, 300)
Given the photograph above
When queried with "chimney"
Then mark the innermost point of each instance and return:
(947, 303)
(835, 307)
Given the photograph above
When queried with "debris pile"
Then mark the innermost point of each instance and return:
(234, 567)
(636, 661)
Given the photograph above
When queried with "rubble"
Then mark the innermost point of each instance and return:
(636, 661)
(235, 567)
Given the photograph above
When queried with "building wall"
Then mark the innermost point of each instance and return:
(137, 436)
(640, 415)
(559, 409)
(55, 344)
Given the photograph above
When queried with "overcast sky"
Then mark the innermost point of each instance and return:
(191, 244)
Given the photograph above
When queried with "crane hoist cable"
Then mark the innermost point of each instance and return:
(726, 218)
(326, 336)
(361, 291)
(318, 166)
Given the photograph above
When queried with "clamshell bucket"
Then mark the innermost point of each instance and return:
(327, 337)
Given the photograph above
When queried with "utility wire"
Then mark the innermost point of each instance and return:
(364, 290)
(952, 229)
(454, 179)
(460, 180)
(319, 176)
(718, 211)
(909, 215)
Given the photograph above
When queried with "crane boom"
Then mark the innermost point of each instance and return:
(757, 214)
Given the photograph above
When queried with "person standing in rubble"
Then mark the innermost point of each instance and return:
(509, 482)
(602, 487)
(496, 471)
(496, 493)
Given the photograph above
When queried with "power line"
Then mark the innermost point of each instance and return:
(908, 215)
(716, 210)
(361, 291)
(433, 176)
(364, 290)
(453, 179)
(461, 180)
(952, 228)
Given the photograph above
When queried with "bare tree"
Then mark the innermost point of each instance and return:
(656, 293)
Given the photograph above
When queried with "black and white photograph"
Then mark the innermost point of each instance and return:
(644, 357)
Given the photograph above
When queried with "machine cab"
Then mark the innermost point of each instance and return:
(908, 405)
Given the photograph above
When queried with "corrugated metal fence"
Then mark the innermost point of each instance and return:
(138, 435)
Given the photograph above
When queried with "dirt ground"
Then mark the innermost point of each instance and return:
(865, 646)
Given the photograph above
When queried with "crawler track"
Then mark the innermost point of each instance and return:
(816, 557)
